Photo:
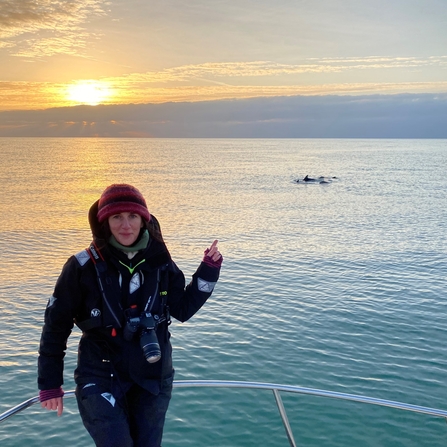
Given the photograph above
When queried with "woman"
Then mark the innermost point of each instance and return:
(121, 292)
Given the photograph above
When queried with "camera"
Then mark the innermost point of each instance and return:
(146, 324)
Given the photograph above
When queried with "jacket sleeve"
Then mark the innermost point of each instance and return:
(57, 327)
(183, 301)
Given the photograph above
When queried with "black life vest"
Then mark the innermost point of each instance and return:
(113, 310)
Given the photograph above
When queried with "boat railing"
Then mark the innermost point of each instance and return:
(276, 389)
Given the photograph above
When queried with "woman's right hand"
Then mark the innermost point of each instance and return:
(57, 403)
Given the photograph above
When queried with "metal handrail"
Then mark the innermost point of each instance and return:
(276, 392)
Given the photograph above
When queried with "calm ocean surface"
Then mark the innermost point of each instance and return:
(339, 286)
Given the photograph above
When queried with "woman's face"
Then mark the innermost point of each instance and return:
(125, 227)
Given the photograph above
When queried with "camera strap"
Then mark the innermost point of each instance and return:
(101, 269)
(164, 283)
(161, 290)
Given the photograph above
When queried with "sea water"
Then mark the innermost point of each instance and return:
(338, 286)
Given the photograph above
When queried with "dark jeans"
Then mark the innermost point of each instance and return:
(135, 420)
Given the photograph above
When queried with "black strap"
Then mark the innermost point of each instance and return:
(164, 283)
(101, 269)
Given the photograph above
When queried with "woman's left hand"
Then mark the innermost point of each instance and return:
(213, 255)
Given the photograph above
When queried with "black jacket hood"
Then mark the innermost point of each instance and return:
(98, 230)
(158, 250)
(95, 226)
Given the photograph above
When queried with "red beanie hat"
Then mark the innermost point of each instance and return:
(122, 198)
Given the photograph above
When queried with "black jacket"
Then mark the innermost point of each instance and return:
(104, 356)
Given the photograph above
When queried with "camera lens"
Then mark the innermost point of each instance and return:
(149, 345)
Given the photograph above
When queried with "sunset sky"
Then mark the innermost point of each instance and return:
(70, 52)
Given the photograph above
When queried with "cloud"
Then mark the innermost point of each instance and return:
(366, 116)
(272, 69)
(136, 90)
(34, 28)
(225, 80)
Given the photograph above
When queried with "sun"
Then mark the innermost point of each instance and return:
(88, 92)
